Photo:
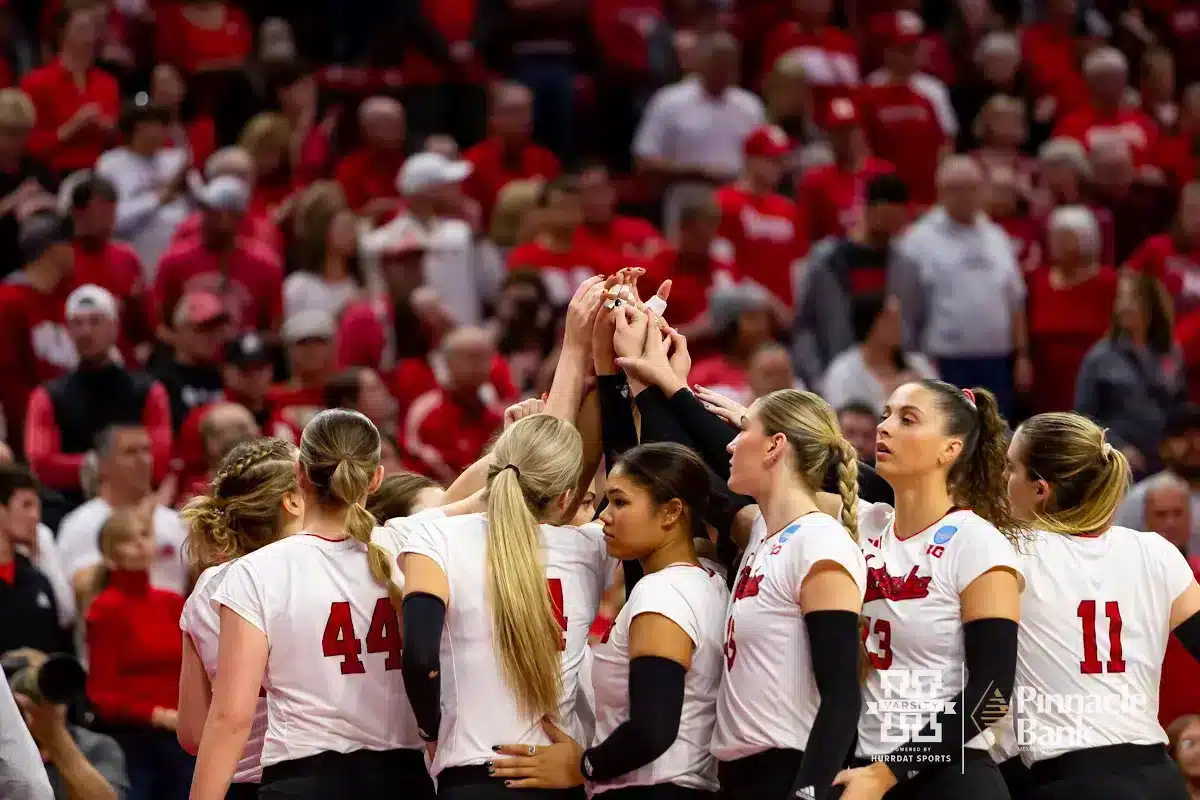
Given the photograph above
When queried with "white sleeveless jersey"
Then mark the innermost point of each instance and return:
(333, 679)
(1095, 619)
(202, 622)
(694, 599)
(769, 697)
(913, 612)
(479, 710)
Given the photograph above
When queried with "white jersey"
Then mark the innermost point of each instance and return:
(202, 622)
(694, 599)
(914, 620)
(478, 707)
(333, 677)
(1095, 619)
(769, 697)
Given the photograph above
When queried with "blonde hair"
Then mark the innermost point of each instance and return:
(339, 453)
(1088, 477)
(532, 464)
(16, 109)
(120, 524)
(266, 129)
(243, 507)
(509, 225)
(811, 428)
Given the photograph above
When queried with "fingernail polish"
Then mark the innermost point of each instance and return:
(496, 749)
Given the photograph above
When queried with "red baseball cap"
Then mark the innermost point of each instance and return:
(898, 28)
(840, 113)
(197, 308)
(768, 141)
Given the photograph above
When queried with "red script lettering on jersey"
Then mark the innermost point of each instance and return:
(882, 586)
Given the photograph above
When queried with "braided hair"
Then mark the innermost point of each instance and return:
(243, 507)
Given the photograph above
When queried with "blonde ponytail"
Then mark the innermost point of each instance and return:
(847, 474)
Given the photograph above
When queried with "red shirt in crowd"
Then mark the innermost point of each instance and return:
(1177, 158)
(689, 287)
(249, 279)
(191, 48)
(256, 227)
(190, 460)
(414, 377)
(902, 127)
(116, 267)
(1064, 323)
(1051, 61)
(134, 649)
(834, 198)
(1178, 270)
(562, 270)
(1026, 234)
(631, 239)
(294, 407)
(59, 470)
(764, 236)
(34, 346)
(829, 55)
(368, 174)
(1132, 124)
(623, 29)
(1179, 685)
(932, 52)
(455, 21)
(494, 169)
(443, 435)
(56, 97)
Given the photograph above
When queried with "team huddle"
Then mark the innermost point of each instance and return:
(963, 621)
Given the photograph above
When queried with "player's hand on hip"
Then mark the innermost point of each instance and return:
(553, 766)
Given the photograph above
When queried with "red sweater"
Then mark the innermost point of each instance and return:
(134, 647)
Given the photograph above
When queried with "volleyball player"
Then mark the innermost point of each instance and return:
(497, 608)
(308, 620)
(1100, 602)
(657, 672)
(942, 600)
(252, 501)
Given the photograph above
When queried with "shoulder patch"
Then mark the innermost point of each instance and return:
(944, 534)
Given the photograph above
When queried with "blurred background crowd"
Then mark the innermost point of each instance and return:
(219, 217)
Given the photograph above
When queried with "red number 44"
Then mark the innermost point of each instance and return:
(383, 636)
(1091, 664)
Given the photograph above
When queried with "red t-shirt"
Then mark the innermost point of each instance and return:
(764, 237)
(34, 346)
(629, 239)
(1051, 60)
(191, 48)
(902, 127)
(1178, 270)
(933, 54)
(689, 288)
(443, 436)
(830, 58)
(413, 377)
(834, 199)
(455, 21)
(294, 406)
(1064, 323)
(256, 227)
(1132, 123)
(249, 279)
(1177, 158)
(623, 29)
(117, 268)
(562, 271)
(1026, 234)
(368, 174)
(492, 171)
(56, 97)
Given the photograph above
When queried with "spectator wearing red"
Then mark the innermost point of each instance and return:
(628, 33)
(202, 35)
(415, 376)
(933, 53)
(508, 154)
(368, 175)
(555, 252)
(308, 337)
(902, 125)
(134, 656)
(234, 162)
(1070, 305)
(524, 328)
(1174, 257)
(902, 35)
(1177, 153)
(691, 266)
(632, 239)
(830, 54)
(1137, 207)
(77, 103)
(1008, 209)
(267, 137)
(1050, 51)
(834, 195)
(222, 427)
(361, 389)
(293, 87)
(1001, 130)
(110, 264)
(743, 322)
(1107, 74)
(22, 180)
(66, 415)
(191, 373)
(446, 429)
(1156, 89)
(761, 230)
(188, 129)
(35, 346)
(245, 275)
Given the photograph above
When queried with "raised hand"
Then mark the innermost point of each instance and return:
(582, 311)
(523, 409)
(732, 412)
(652, 367)
(629, 337)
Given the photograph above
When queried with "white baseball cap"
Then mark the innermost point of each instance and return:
(425, 171)
(91, 299)
(224, 193)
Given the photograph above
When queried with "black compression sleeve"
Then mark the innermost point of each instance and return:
(1188, 634)
(833, 640)
(655, 705)
(616, 416)
(421, 662)
(991, 654)
(710, 433)
(659, 422)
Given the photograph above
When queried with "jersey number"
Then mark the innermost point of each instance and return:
(383, 636)
(1091, 664)
(554, 585)
(877, 641)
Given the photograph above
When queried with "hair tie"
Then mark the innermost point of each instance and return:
(514, 468)
(970, 395)
(1106, 449)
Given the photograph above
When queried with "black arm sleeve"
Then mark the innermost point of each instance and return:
(420, 33)
(659, 422)
(833, 645)
(1188, 634)
(710, 433)
(991, 651)
(616, 417)
(655, 705)
(420, 664)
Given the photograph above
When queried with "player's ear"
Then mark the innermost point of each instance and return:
(1042, 490)
(670, 512)
(376, 480)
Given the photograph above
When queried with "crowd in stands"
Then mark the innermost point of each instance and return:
(218, 218)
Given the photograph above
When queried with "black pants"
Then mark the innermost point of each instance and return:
(768, 774)
(1118, 772)
(473, 783)
(1018, 778)
(660, 791)
(361, 775)
(977, 778)
(242, 791)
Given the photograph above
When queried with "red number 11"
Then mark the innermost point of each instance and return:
(1091, 664)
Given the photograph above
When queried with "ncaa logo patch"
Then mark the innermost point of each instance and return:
(787, 533)
(944, 534)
